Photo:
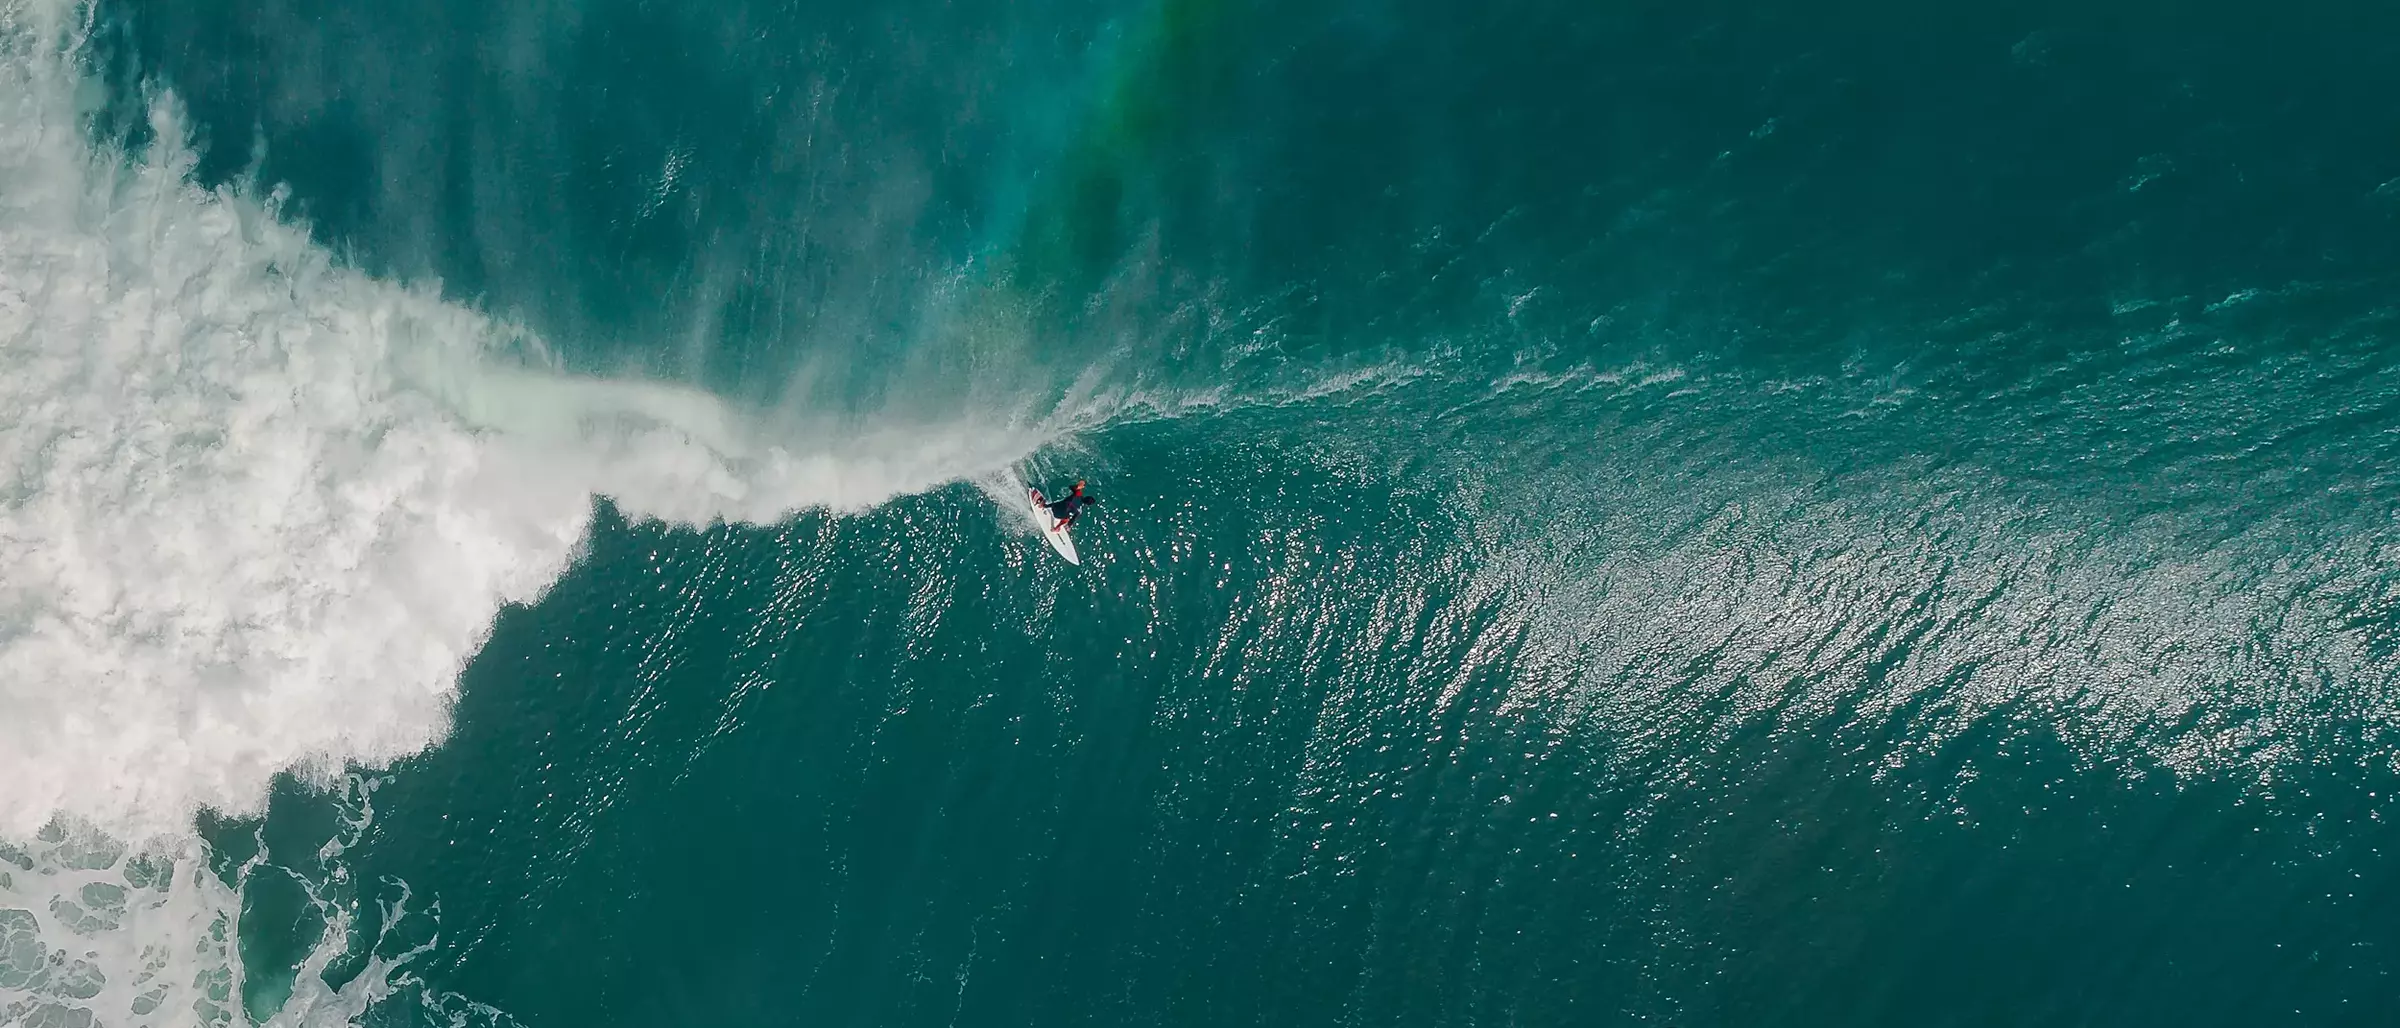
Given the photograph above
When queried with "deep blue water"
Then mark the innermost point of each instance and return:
(1856, 514)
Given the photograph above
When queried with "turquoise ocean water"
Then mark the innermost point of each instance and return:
(1616, 513)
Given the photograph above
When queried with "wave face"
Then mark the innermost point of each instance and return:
(1613, 515)
(262, 510)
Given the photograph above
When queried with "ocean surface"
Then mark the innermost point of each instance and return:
(1616, 513)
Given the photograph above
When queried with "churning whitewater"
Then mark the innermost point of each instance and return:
(265, 507)
(514, 514)
(260, 510)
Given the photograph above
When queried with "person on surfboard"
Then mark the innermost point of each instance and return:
(1067, 507)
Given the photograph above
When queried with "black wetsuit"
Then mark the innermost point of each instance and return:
(1066, 509)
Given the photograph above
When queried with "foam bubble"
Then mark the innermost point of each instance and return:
(93, 932)
(258, 509)
(234, 543)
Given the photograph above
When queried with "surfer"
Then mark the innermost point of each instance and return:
(1067, 507)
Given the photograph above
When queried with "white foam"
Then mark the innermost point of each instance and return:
(95, 933)
(257, 510)
(233, 544)
(91, 934)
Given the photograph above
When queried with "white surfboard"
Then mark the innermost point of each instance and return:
(1051, 529)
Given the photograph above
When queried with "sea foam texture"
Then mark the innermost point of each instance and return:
(230, 543)
(234, 543)
(257, 510)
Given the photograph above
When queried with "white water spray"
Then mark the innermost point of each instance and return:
(257, 511)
